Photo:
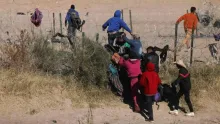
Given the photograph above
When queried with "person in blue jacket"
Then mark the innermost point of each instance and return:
(114, 24)
(71, 28)
(135, 46)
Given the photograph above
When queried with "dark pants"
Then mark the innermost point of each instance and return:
(111, 37)
(148, 105)
(71, 34)
(187, 99)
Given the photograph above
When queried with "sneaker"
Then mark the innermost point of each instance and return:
(174, 112)
(150, 120)
(191, 114)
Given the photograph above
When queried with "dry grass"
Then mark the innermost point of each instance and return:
(35, 91)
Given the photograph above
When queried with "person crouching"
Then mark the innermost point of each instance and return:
(150, 81)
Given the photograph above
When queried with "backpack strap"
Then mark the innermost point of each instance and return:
(184, 76)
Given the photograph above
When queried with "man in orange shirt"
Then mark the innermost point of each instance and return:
(190, 22)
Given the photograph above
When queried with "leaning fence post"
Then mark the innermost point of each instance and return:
(122, 17)
(191, 52)
(53, 23)
(175, 41)
(97, 37)
(131, 20)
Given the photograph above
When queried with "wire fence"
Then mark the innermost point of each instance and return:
(153, 32)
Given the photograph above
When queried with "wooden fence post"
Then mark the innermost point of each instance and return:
(97, 37)
(122, 16)
(61, 26)
(83, 40)
(131, 20)
(175, 41)
(53, 23)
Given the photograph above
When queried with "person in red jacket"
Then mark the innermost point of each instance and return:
(150, 81)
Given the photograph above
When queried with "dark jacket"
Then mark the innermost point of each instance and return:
(116, 23)
(68, 19)
(135, 47)
(183, 80)
(151, 57)
(150, 80)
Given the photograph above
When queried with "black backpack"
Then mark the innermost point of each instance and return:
(75, 19)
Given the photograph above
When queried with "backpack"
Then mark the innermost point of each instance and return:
(36, 17)
(74, 19)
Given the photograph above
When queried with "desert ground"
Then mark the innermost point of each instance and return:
(151, 19)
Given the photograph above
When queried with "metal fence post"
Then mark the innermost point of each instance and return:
(192, 43)
(175, 41)
(53, 23)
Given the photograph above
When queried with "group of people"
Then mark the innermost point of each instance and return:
(143, 68)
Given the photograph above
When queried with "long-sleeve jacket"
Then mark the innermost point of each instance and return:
(190, 20)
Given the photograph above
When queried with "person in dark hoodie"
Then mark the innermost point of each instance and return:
(184, 83)
(149, 82)
(72, 24)
(151, 56)
(114, 24)
(135, 46)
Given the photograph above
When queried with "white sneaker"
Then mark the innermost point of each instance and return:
(174, 112)
(191, 114)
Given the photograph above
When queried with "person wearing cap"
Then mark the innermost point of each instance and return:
(190, 23)
(135, 46)
(184, 83)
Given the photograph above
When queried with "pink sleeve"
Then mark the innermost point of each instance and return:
(121, 61)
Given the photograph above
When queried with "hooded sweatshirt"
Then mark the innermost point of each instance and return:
(135, 47)
(132, 66)
(150, 80)
(116, 23)
(68, 15)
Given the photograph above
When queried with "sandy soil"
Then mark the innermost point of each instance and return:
(106, 115)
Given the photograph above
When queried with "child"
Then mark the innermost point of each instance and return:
(184, 83)
(133, 69)
(150, 81)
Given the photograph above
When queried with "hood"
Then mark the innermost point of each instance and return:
(133, 61)
(150, 66)
(117, 13)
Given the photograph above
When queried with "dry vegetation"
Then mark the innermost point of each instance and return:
(36, 76)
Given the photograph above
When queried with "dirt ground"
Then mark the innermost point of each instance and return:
(108, 115)
(150, 19)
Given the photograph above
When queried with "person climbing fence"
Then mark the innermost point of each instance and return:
(190, 23)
